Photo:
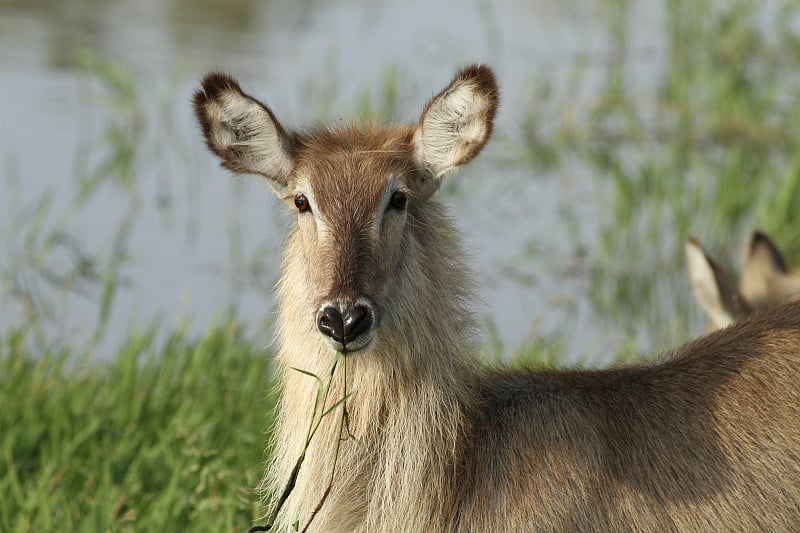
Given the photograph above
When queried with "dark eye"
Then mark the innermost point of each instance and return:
(398, 200)
(301, 203)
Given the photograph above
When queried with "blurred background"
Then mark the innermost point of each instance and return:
(624, 127)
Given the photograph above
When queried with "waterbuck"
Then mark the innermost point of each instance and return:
(706, 438)
(765, 281)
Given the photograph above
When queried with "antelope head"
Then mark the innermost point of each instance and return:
(358, 193)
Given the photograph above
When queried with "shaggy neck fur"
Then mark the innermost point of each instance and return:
(409, 405)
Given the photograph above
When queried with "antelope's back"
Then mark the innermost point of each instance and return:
(706, 438)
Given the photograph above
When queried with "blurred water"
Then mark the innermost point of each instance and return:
(203, 241)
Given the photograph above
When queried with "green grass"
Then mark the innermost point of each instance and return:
(162, 438)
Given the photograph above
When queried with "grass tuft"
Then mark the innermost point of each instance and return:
(162, 437)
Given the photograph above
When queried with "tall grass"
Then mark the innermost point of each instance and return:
(168, 431)
(160, 438)
(47, 260)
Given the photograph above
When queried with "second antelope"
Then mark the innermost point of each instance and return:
(705, 438)
(764, 281)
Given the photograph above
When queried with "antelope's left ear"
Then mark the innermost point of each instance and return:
(712, 288)
(455, 124)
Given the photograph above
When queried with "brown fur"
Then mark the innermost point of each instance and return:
(705, 439)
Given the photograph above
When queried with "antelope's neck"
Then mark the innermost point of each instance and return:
(403, 436)
(407, 398)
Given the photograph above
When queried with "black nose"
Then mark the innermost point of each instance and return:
(347, 328)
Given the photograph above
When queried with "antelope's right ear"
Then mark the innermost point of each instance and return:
(763, 264)
(243, 132)
(712, 288)
(455, 125)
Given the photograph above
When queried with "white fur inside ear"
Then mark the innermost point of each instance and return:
(453, 128)
(246, 133)
(705, 287)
